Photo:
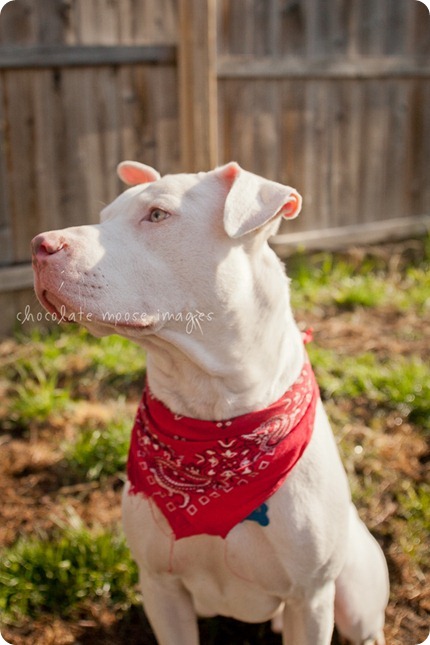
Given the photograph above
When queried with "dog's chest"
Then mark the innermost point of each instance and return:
(228, 576)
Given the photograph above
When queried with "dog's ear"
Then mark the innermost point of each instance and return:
(253, 201)
(133, 173)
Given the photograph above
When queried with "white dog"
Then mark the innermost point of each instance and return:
(237, 503)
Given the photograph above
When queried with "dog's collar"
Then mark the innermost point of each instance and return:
(207, 476)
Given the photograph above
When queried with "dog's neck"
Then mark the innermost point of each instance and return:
(243, 359)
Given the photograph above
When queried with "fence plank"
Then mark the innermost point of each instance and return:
(374, 27)
(293, 29)
(74, 167)
(348, 149)
(91, 144)
(237, 115)
(317, 42)
(397, 151)
(292, 101)
(197, 84)
(419, 185)
(97, 22)
(6, 255)
(17, 24)
(166, 110)
(420, 30)
(266, 129)
(138, 137)
(19, 98)
(142, 22)
(373, 162)
(237, 27)
(47, 150)
(149, 134)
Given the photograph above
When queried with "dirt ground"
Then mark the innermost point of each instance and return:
(34, 491)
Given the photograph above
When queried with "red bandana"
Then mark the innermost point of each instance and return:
(207, 476)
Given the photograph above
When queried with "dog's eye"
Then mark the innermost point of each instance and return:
(158, 215)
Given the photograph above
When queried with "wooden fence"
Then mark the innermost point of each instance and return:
(330, 96)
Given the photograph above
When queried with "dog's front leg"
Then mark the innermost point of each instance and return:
(311, 621)
(169, 609)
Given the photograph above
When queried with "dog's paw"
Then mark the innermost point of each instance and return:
(277, 622)
(376, 640)
(379, 639)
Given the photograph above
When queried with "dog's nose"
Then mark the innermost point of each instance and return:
(43, 245)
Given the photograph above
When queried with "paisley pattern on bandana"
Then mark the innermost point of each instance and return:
(207, 476)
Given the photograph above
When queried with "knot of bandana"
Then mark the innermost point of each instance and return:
(207, 476)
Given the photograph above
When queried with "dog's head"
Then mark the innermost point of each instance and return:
(165, 247)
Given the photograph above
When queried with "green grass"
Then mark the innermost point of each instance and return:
(398, 383)
(37, 397)
(415, 289)
(328, 283)
(330, 279)
(75, 351)
(414, 502)
(58, 367)
(99, 452)
(57, 573)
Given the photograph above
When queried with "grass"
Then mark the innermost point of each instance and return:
(58, 367)
(75, 353)
(397, 383)
(100, 452)
(414, 502)
(49, 376)
(55, 574)
(36, 397)
(328, 279)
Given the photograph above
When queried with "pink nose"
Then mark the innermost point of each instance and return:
(45, 244)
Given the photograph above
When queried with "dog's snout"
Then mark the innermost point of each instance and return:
(43, 245)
